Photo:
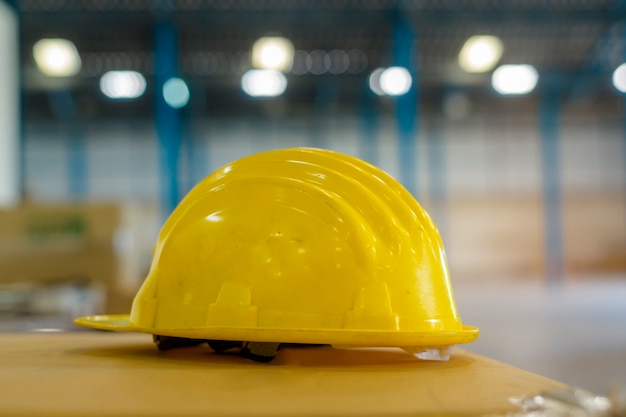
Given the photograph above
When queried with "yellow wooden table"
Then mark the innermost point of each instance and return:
(107, 374)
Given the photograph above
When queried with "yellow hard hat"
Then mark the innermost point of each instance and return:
(297, 246)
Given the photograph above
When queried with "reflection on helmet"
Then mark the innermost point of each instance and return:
(298, 246)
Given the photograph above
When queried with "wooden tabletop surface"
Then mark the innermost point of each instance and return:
(108, 374)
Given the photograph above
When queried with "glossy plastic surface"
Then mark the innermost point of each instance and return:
(298, 245)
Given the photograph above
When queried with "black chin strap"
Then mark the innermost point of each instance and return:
(169, 342)
(260, 351)
(256, 351)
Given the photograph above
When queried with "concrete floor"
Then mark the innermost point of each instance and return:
(575, 333)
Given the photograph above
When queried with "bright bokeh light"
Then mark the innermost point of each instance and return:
(273, 52)
(514, 79)
(395, 81)
(120, 85)
(619, 78)
(176, 93)
(374, 81)
(480, 53)
(264, 83)
(56, 57)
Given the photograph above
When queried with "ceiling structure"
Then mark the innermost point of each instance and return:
(579, 42)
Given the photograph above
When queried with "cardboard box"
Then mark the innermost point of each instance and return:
(102, 244)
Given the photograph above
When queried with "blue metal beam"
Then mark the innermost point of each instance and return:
(549, 115)
(624, 108)
(167, 119)
(368, 123)
(326, 96)
(66, 110)
(407, 106)
(436, 163)
(624, 143)
(353, 15)
(196, 145)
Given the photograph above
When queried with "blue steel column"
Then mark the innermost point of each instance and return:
(368, 123)
(326, 95)
(437, 174)
(624, 144)
(407, 106)
(195, 141)
(624, 109)
(436, 160)
(167, 119)
(64, 105)
(549, 115)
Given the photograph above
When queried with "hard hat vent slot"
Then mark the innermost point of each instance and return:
(372, 309)
(233, 307)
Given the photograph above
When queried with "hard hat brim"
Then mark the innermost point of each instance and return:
(374, 338)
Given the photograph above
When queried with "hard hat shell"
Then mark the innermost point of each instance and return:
(302, 246)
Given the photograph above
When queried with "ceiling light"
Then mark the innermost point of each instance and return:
(374, 81)
(273, 52)
(480, 53)
(619, 78)
(514, 79)
(176, 93)
(122, 84)
(318, 62)
(57, 57)
(395, 81)
(339, 61)
(264, 83)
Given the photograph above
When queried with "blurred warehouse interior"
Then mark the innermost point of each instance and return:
(506, 120)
